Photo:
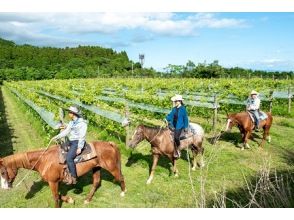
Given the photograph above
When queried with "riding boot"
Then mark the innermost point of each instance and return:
(257, 127)
(177, 153)
(71, 180)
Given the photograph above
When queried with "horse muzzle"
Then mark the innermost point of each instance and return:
(5, 184)
(228, 127)
(131, 145)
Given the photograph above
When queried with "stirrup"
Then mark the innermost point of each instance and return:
(177, 154)
(71, 181)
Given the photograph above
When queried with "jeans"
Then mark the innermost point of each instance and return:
(71, 154)
(256, 116)
(177, 137)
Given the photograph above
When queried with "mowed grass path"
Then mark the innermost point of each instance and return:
(226, 168)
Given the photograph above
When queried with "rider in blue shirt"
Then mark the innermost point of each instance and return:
(178, 120)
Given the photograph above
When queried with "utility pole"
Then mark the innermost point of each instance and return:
(132, 69)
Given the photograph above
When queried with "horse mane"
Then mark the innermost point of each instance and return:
(19, 160)
(155, 128)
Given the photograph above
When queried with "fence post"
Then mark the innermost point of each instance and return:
(214, 113)
(271, 101)
(127, 127)
(289, 99)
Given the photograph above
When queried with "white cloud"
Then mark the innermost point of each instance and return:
(271, 64)
(54, 25)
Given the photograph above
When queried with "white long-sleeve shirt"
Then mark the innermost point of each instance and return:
(75, 130)
(253, 104)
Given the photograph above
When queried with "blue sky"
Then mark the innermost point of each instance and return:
(250, 40)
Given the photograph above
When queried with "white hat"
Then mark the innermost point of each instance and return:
(253, 92)
(177, 98)
(74, 110)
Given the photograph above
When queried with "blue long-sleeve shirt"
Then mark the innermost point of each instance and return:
(182, 121)
(75, 130)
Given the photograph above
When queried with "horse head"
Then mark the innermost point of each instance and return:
(231, 122)
(6, 179)
(137, 137)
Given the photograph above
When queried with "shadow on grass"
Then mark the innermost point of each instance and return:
(288, 156)
(83, 181)
(138, 158)
(6, 133)
(265, 190)
(236, 138)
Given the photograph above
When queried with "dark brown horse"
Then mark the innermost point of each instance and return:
(162, 144)
(47, 164)
(243, 121)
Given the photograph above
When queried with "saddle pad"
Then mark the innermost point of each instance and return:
(183, 136)
(262, 115)
(88, 153)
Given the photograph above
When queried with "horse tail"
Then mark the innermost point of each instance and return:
(270, 118)
(118, 157)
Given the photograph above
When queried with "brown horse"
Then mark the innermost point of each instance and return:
(162, 144)
(243, 121)
(47, 164)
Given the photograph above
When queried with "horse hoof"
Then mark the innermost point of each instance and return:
(193, 168)
(70, 201)
(149, 181)
(86, 202)
(242, 148)
(176, 175)
(122, 194)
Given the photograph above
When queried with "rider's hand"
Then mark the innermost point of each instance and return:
(54, 138)
(185, 130)
(79, 150)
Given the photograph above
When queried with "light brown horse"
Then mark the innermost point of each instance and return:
(47, 164)
(243, 121)
(162, 144)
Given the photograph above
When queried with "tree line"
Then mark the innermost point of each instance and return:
(27, 62)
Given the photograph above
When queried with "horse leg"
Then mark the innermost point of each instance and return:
(201, 157)
(195, 153)
(54, 189)
(265, 134)
(155, 160)
(96, 184)
(175, 170)
(246, 136)
(118, 177)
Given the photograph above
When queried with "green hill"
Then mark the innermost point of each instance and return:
(27, 62)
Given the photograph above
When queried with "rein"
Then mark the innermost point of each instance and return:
(157, 133)
(34, 164)
(218, 136)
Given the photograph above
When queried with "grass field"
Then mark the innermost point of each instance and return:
(227, 180)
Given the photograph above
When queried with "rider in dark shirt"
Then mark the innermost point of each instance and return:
(178, 120)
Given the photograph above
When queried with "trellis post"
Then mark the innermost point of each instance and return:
(289, 99)
(271, 101)
(214, 112)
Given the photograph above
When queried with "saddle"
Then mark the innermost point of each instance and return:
(183, 136)
(88, 153)
(262, 116)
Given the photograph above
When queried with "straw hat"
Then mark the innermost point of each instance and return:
(253, 92)
(74, 110)
(177, 98)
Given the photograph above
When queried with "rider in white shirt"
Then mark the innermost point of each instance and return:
(253, 105)
(76, 132)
